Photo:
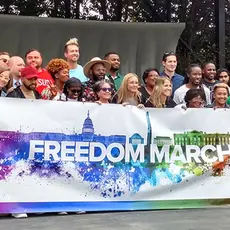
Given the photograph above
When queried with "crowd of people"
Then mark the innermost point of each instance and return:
(100, 81)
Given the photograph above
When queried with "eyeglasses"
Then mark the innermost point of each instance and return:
(198, 101)
(74, 91)
(106, 89)
(169, 53)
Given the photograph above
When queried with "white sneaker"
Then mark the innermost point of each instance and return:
(62, 213)
(80, 212)
(19, 215)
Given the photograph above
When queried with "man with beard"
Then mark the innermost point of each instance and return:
(95, 70)
(29, 76)
(114, 76)
(209, 74)
(72, 54)
(34, 59)
(193, 80)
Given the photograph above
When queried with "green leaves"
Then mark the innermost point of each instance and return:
(197, 43)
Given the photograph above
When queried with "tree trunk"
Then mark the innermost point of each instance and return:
(118, 11)
(77, 9)
(68, 9)
(103, 10)
(54, 12)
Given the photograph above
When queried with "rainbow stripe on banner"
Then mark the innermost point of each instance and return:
(31, 207)
(149, 160)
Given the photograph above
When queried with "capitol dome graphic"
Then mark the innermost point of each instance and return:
(88, 126)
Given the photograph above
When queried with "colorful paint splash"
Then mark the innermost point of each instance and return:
(110, 180)
(218, 167)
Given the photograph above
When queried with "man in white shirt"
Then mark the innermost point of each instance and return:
(16, 64)
(193, 80)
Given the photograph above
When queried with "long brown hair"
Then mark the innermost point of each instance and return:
(156, 96)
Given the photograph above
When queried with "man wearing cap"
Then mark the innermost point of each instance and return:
(95, 70)
(34, 59)
(27, 90)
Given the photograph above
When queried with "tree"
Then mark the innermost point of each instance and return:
(197, 42)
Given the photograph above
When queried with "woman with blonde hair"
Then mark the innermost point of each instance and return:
(161, 95)
(128, 93)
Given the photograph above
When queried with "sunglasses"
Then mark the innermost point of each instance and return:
(106, 89)
(169, 53)
(166, 54)
(74, 91)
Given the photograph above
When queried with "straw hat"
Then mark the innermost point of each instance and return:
(93, 61)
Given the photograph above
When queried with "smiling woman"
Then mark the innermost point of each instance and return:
(221, 93)
(74, 90)
(103, 90)
(59, 71)
(128, 94)
(161, 95)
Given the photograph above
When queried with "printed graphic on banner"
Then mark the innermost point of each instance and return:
(117, 164)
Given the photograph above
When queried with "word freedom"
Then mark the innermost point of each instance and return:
(86, 151)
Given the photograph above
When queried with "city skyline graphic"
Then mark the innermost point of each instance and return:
(110, 179)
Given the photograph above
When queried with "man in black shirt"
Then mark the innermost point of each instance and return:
(209, 77)
(27, 90)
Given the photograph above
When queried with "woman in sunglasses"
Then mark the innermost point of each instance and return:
(103, 89)
(74, 90)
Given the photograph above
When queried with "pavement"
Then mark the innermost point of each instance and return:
(195, 219)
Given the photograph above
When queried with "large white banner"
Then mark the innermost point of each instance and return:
(67, 156)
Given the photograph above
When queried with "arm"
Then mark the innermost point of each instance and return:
(12, 94)
(176, 97)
